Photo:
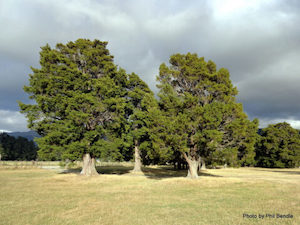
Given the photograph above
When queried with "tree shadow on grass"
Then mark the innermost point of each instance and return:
(118, 170)
(162, 172)
(70, 171)
(281, 171)
(158, 172)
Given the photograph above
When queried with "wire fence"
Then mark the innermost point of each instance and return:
(28, 164)
(55, 164)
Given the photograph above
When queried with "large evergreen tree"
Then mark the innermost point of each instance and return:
(279, 147)
(78, 93)
(200, 116)
(140, 102)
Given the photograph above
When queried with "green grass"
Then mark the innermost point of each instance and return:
(160, 196)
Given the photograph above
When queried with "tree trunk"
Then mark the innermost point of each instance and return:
(67, 163)
(89, 166)
(137, 158)
(193, 164)
(193, 169)
(202, 166)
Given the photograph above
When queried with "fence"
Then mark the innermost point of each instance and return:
(55, 164)
(28, 164)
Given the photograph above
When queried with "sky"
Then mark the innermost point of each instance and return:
(257, 41)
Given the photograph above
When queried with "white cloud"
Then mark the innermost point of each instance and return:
(294, 123)
(5, 131)
(230, 8)
(12, 121)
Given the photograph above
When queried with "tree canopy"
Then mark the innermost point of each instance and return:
(201, 117)
(279, 147)
(140, 102)
(79, 99)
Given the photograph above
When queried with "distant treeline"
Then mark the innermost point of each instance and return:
(278, 146)
(17, 148)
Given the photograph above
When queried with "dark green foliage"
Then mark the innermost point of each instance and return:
(1, 151)
(199, 114)
(20, 148)
(140, 103)
(78, 93)
(279, 146)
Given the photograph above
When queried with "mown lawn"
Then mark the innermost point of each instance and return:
(161, 196)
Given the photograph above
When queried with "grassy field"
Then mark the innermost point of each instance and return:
(160, 196)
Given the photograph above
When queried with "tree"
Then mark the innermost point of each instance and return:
(200, 116)
(140, 102)
(279, 146)
(78, 93)
(20, 148)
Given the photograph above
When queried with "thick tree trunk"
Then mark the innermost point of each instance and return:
(193, 164)
(137, 158)
(89, 166)
(193, 169)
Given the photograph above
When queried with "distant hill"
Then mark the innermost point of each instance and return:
(30, 135)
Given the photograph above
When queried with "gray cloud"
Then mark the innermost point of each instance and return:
(258, 41)
(12, 121)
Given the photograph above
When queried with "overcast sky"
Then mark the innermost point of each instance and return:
(257, 41)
